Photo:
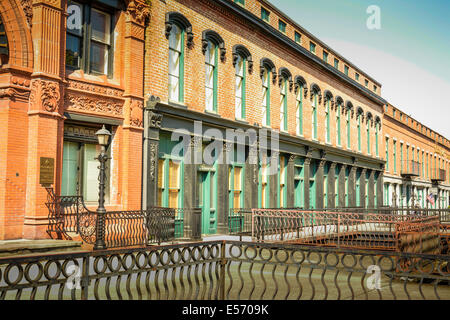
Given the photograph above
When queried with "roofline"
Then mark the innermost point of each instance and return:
(323, 44)
(293, 45)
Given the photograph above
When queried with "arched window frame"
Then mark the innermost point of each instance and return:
(301, 91)
(212, 43)
(359, 119)
(338, 108)
(328, 104)
(267, 71)
(316, 99)
(242, 59)
(285, 80)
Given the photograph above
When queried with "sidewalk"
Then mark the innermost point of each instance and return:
(23, 247)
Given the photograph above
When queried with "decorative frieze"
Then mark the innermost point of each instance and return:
(93, 104)
(45, 94)
(138, 11)
(95, 89)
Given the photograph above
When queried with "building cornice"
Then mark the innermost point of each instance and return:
(269, 30)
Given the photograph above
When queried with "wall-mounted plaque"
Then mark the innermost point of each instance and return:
(46, 171)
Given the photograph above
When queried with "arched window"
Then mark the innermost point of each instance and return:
(359, 115)
(267, 71)
(301, 91)
(349, 111)
(339, 103)
(211, 44)
(377, 132)
(369, 124)
(178, 30)
(316, 97)
(241, 60)
(328, 99)
(285, 80)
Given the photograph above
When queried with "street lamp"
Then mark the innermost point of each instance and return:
(103, 139)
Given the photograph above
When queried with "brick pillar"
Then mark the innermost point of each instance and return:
(132, 129)
(45, 122)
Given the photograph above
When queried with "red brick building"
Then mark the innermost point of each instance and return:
(67, 69)
(146, 69)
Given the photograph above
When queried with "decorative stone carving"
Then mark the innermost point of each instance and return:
(28, 10)
(45, 94)
(91, 104)
(93, 88)
(152, 102)
(155, 120)
(138, 11)
(15, 93)
(152, 155)
(136, 108)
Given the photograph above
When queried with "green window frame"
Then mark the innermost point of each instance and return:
(297, 37)
(401, 157)
(284, 104)
(387, 154)
(241, 2)
(326, 170)
(265, 14)
(232, 190)
(312, 47)
(376, 139)
(327, 122)
(299, 111)
(346, 69)
(336, 63)
(336, 186)
(359, 131)
(266, 97)
(325, 56)
(263, 185)
(369, 151)
(358, 187)
(282, 182)
(299, 183)
(314, 116)
(211, 76)
(88, 48)
(240, 87)
(394, 151)
(282, 26)
(357, 76)
(176, 63)
(338, 125)
(366, 82)
(348, 130)
(346, 184)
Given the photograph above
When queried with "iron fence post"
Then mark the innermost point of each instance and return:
(222, 272)
(85, 278)
(101, 211)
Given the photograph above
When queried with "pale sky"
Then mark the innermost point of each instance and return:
(409, 55)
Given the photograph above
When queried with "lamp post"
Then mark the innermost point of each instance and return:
(103, 138)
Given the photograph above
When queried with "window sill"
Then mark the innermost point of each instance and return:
(177, 104)
(242, 120)
(212, 113)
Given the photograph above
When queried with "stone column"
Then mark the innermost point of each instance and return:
(223, 188)
(319, 184)
(362, 188)
(152, 150)
(352, 187)
(290, 183)
(190, 183)
(331, 186)
(306, 169)
(273, 178)
(342, 185)
(372, 189)
(251, 178)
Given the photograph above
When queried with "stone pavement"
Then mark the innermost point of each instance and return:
(22, 247)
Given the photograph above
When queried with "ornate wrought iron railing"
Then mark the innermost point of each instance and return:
(403, 233)
(229, 270)
(68, 214)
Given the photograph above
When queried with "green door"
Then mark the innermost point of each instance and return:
(206, 201)
(358, 188)
(70, 169)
